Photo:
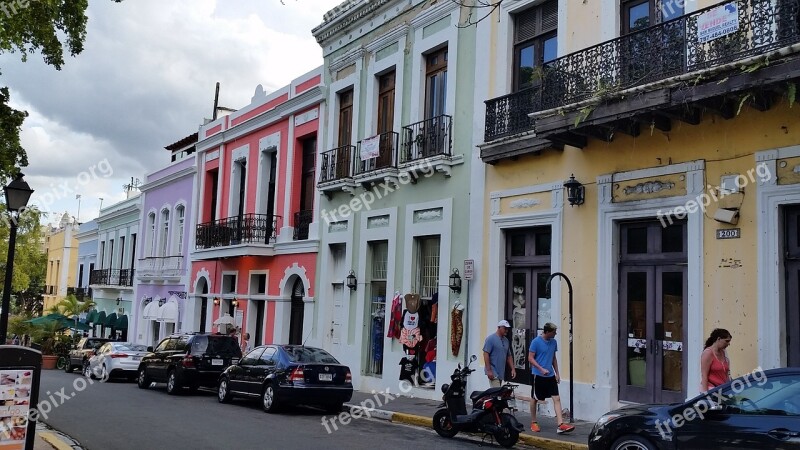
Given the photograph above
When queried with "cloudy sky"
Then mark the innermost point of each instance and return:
(146, 79)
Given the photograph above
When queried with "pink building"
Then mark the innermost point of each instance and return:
(256, 242)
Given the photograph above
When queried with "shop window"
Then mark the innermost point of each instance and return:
(376, 311)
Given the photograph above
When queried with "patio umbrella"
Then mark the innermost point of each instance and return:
(224, 320)
(44, 320)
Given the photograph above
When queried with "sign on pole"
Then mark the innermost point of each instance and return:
(20, 372)
(469, 269)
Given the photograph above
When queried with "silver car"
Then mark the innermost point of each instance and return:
(115, 359)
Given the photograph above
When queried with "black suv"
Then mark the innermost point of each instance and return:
(80, 354)
(188, 361)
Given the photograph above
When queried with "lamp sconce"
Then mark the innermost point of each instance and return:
(455, 281)
(216, 301)
(352, 282)
(119, 299)
(235, 303)
(575, 191)
(161, 301)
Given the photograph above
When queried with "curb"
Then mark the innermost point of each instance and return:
(421, 421)
(55, 441)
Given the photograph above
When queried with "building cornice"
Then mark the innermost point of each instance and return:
(345, 17)
(186, 171)
(345, 60)
(129, 209)
(433, 14)
(388, 38)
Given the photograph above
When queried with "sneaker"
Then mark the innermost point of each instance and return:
(564, 428)
(535, 427)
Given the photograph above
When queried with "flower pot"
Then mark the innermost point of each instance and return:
(49, 361)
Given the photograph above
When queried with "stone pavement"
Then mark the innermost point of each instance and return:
(417, 411)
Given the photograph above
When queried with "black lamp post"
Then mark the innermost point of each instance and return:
(17, 195)
(571, 365)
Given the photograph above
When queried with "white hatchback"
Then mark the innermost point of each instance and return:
(115, 359)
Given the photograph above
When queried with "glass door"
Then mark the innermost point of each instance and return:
(529, 311)
(792, 283)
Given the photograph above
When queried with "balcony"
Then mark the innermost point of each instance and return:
(336, 170)
(245, 229)
(666, 72)
(111, 277)
(428, 138)
(302, 221)
(384, 164)
(160, 267)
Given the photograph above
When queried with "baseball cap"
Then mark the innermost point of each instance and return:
(504, 323)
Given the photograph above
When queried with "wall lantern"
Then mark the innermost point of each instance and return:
(216, 301)
(119, 299)
(575, 191)
(455, 281)
(352, 283)
(235, 303)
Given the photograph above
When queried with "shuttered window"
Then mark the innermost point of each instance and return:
(535, 43)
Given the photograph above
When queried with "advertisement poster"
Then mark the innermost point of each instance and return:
(370, 148)
(15, 400)
(718, 22)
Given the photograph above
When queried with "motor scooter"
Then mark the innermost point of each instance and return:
(487, 414)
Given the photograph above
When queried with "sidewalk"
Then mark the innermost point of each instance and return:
(49, 439)
(417, 411)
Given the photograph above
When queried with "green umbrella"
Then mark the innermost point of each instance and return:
(111, 320)
(52, 317)
(122, 322)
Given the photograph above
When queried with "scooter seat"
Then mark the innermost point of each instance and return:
(478, 394)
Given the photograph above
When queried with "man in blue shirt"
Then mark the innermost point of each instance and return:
(544, 367)
(496, 353)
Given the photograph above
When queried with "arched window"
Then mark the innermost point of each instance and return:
(180, 212)
(164, 233)
(151, 235)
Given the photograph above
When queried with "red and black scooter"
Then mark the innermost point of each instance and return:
(487, 414)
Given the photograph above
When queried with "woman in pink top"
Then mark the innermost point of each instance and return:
(715, 367)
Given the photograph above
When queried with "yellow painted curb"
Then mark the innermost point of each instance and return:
(551, 444)
(411, 419)
(54, 440)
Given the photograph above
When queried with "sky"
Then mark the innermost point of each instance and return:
(146, 79)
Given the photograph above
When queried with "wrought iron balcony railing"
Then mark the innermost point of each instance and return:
(302, 221)
(387, 154)
(244, 229)
(337, 164)
(657, 53)
(112, 277)
(161, 266)
(430, 137)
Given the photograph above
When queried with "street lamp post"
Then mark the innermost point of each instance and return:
(17, 194)
(571, 365)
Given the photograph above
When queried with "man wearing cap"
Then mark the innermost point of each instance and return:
(496, 353)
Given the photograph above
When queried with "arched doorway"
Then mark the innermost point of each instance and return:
(298, 309)
(202, 290)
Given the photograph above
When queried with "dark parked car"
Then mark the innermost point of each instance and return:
(188, 361)
(288, 375)
(80, 354)
(760, 410)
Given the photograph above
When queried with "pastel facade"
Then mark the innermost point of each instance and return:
(87, 257)
(687, 145)
(161, 306)
(254, 246)
(395, 172)
(62, 257)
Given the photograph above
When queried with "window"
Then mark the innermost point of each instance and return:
(435, 83)
(268, 358)
(640, 14)
(121, 252)
(428, 266)
(151, 235)
(759, 395)
(111, 254)
(180, 212)
(379, 254)
(386, 102)
(164, 233)
(345, 117)
(535, 42)
(102, 255)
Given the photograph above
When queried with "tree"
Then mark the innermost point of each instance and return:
(46, 26)
(478, 10)
(30, 261)
(72, 307)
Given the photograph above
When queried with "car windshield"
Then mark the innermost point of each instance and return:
(128, 347)
(309, 355)
(218, 345)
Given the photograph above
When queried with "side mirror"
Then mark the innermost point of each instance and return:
(473, 358)
(706, 404)
(149, 348)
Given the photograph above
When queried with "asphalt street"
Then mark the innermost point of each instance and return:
(119, 415)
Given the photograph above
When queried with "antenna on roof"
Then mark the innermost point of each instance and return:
(216, 103)
(306, 339)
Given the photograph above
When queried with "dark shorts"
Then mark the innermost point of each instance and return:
(544, 387)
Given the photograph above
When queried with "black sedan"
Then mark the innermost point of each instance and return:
(760, 410)
(288, 375)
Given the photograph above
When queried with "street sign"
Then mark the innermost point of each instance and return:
(469, 269)
(20, 372)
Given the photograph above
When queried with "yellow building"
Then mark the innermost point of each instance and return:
(62, 260)
(678, 118)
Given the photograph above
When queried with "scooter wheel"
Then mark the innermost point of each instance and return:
(507, 436)
(443, 425)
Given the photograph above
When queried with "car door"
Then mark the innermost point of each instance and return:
(266, 366)
(96, 361)
(76, 355)
(755, 412)
(240, 373)
(158, 365)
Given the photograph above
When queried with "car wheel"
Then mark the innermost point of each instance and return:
(104, 376)
(173, 386)
(632, 442)
(87, 371)
(223, 393)
(142, 380)
(68, 366)
(63, 364)
(268, 400)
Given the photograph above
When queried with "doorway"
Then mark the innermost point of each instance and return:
(297, 313)
(792, 283)
(652, 312)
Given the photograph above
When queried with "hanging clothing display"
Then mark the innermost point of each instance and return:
(456, 327)
(410, 338)
(377, 339)
(408, 369)
(395, 317)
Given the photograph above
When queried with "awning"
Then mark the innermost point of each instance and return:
(92, 317)
(101, 318)
(168, 312)
(122, 322)
(150, 311)
(111, 320)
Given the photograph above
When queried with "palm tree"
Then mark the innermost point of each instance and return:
(70, 306)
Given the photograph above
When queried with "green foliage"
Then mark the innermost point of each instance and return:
(49, 27)
(791, 93)
(741, 102)
(70, 306)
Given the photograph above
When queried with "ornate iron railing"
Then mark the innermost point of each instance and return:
(653, 54)
(112, 277)
(430, 137)
(387, 154)
(302, 220)
(244, 229)
(337, 164)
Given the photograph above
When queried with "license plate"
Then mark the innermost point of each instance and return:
(326, 377)
(512, 403)
(217, 362)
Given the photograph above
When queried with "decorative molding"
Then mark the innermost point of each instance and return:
(658, 171)
(433, 14)
(527, 190)
(347, 59)
(335, 227)
(212, 155)
(288, 273)
(388, 38)
(428, 215)
(495, 206)
(523, 203)
(649, 187)
(269, 143)
(180, 294)
(340, 17)
(240, 153)
(306, 117)
(378, 222)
